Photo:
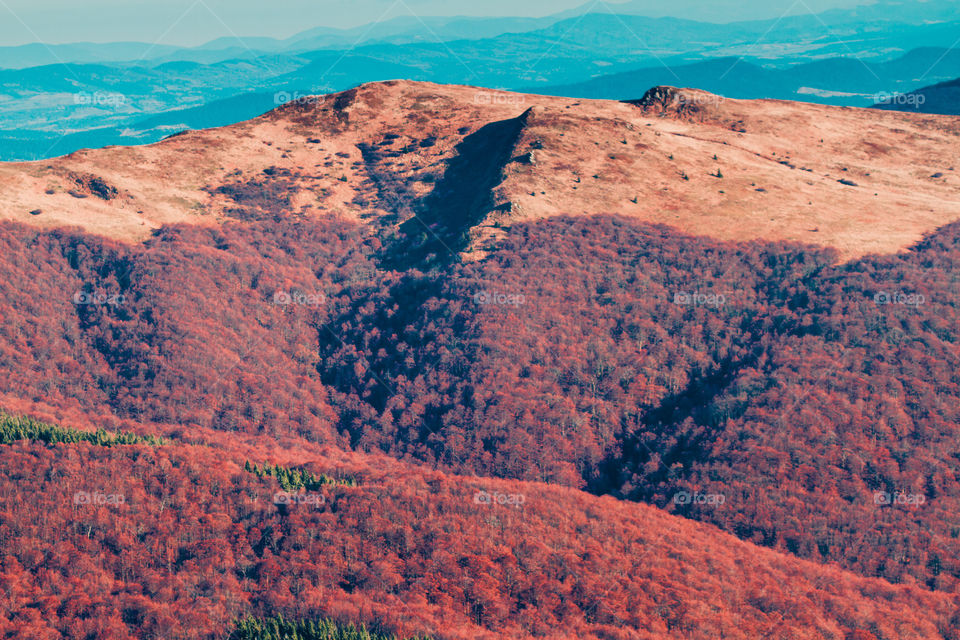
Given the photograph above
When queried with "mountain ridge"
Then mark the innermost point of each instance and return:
(654, 162)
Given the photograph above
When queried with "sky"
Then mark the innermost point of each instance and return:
(193, 22)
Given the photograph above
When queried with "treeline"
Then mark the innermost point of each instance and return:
(277, 628)
(14, 428)
(296, 479)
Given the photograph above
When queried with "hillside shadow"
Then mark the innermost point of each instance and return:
(438, 228)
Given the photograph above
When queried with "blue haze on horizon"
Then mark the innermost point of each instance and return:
(195, 22)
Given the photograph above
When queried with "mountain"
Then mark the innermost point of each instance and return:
(41, 54)
(722, 11)
(355, 153)
(943, 98)
(453, 362)
(410, 29)
(770, 22)
(71, 98)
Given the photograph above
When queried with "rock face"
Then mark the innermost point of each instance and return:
(469, 162)
(665, 100)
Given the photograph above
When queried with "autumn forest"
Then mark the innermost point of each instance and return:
(602, 429)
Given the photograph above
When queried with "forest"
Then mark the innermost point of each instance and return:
(197, 544)
(622, 377)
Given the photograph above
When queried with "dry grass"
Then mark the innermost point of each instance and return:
(730, 169)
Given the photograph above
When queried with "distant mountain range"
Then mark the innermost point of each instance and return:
(756, 17)
(56, 99)
(840, 81)
(943, 98)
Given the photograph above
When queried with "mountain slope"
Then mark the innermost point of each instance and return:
(190, 540)
(376, 152)
(565, 349)
(474, 311)
(587, 351)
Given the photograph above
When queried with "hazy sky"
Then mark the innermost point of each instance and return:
(191, 22)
